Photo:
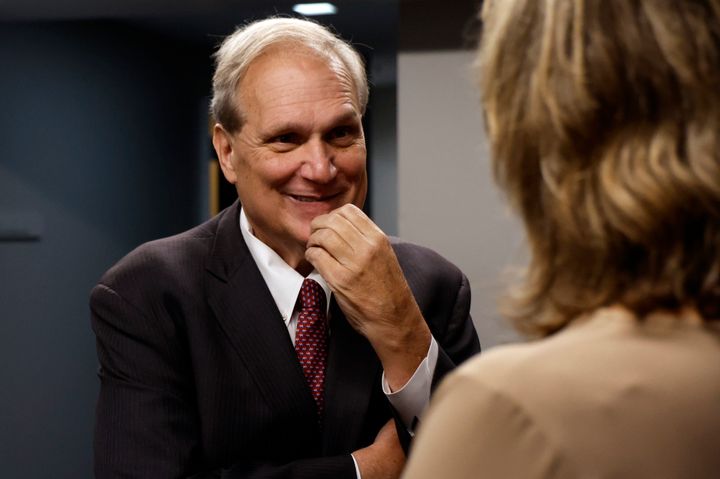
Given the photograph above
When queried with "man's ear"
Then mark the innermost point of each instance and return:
(222, 142)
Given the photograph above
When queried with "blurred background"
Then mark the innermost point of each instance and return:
(104, 145)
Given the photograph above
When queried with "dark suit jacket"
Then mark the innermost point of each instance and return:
(198, 372)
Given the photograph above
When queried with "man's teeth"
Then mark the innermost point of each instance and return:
(306, 199)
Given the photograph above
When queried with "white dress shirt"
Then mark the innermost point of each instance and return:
(284, 284)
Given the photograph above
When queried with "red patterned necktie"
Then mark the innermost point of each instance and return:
(311, 339)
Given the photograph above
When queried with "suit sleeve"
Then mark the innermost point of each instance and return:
(147, 424)
(459, 341)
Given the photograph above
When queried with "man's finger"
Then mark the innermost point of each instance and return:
(332, 242)
(328, 267)
(338, 223)
(359, 220)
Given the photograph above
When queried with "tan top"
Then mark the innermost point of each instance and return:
(608, 397)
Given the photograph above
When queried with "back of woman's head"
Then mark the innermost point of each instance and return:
(604, 121)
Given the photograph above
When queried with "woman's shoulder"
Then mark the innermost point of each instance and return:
(609, 349)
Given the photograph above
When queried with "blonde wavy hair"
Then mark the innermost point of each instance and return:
(604, 123)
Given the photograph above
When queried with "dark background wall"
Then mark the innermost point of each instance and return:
(101, 125)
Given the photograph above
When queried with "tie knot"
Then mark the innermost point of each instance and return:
(312, 296)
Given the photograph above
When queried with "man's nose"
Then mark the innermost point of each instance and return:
(318, 162)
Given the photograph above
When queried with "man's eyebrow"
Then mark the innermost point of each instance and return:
(350, 117)
(283, 126)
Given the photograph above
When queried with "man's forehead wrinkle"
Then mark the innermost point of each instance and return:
(281, 80)
(288, 101)
(290, 87)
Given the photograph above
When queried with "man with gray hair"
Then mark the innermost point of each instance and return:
(287, 337)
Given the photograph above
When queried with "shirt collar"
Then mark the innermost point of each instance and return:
(282, 280)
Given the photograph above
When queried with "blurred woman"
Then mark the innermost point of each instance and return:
(604, 121)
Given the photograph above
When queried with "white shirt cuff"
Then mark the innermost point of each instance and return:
(357, 469)
(411, 400)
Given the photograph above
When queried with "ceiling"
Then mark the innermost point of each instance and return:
(415, 24)
(438, 25)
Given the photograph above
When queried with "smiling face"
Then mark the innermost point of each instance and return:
(300, 152)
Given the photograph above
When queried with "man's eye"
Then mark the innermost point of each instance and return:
(343, 133)
(285, 138)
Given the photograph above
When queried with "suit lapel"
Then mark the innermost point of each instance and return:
(249, 317)
(352, 375)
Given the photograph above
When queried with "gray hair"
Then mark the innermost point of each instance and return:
(248, 42)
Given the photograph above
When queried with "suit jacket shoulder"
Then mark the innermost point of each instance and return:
(165, 259)
(435, 282)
